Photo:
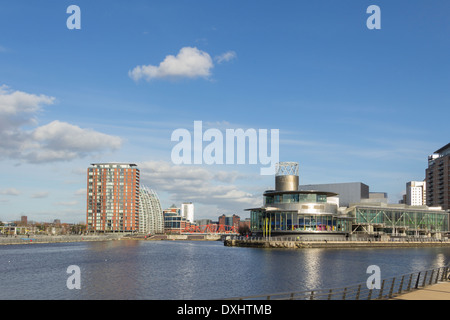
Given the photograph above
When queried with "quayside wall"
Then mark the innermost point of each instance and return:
(332, 244)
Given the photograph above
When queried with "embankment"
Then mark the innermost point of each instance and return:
(332, 244)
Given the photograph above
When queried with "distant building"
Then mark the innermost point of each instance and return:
(203, 222)
(416, 193)
(349, 192)
(174, 222)
(377, 197)
(151, 219)
(437, 177)
(187, 211)
(112, 197)
(230, 221)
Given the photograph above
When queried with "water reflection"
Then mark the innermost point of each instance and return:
(194, 270)
(110, 270)
(312, 267)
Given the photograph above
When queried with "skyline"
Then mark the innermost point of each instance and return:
(351, 104)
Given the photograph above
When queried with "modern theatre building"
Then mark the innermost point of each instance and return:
(288, 211)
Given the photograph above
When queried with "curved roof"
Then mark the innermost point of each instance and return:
(275, 192)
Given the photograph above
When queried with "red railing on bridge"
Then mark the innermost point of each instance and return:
(210, 228)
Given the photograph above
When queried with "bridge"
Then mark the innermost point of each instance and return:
(216, 229)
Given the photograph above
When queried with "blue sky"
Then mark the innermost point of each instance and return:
(351, 104)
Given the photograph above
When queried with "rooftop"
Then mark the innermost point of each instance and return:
(443, 149)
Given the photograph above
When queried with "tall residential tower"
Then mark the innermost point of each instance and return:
(151, 219)
(437, 177)
(112, 197)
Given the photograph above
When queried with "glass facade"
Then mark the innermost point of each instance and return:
(265, 221)
(294, 198)
(402, 220)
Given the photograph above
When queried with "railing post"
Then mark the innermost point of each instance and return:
(312, 296)
(431, 277)
(417, 282)
(345, 293)
(401, 285)
(358, 292)
(329, 294)
(392, 288)
(381, 290)
(370, 294)
(409, 282)
(424, 279)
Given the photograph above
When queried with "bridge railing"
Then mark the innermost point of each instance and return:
(388, 289)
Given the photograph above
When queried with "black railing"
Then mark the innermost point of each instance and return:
(389, 288)
(318, 238)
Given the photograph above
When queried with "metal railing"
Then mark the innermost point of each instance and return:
(389, 288)
(318, 238)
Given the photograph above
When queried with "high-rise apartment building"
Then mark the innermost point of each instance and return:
(151, 219)
(416, 193)
(437, 178)
(112, 197)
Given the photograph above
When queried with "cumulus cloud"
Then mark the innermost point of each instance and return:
(190, 62)
(200, 185)
(56, 141)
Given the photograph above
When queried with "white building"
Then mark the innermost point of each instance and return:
(416, 193)
(151, 219)
(187, 211)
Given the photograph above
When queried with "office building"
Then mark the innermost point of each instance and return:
(174, 221)
(349, 192)
(416, 193)
(112, 197)
(437, 177)
(151, 219)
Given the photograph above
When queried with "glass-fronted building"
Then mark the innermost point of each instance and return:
(287, 211)
(399, 220)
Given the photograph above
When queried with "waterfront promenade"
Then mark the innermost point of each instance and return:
(24, 239)
(439, 291)
(293, 243)
(433, 284)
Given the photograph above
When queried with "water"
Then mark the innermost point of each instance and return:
(191, 270)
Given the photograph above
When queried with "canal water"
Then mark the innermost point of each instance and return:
(193, 270)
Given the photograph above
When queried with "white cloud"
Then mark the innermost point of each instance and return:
(12, 103)
(10, 192)
(199, 184)
(40, 195)
(190, 62)
(225, 57)
(56, 141)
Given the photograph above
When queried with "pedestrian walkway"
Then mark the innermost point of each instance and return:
(438, 291)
